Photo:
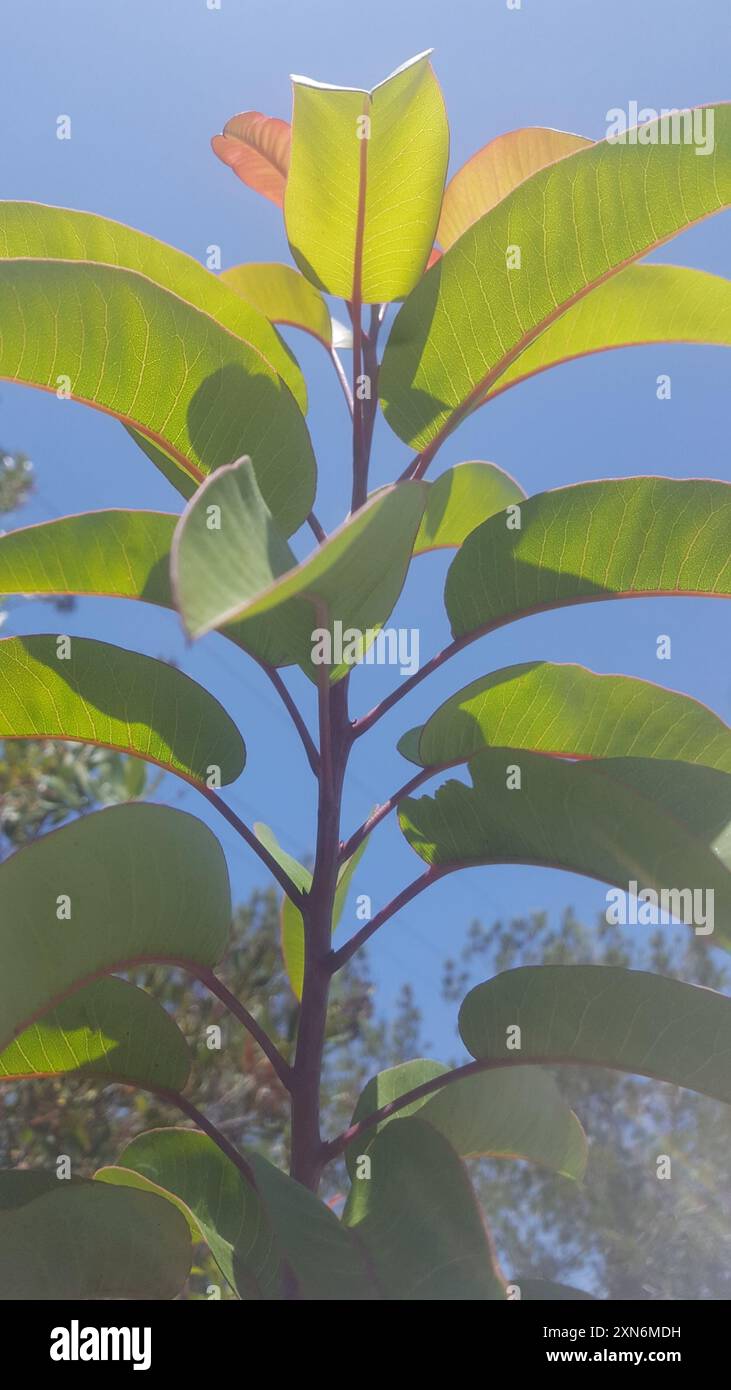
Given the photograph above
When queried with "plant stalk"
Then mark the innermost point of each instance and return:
(335, 741)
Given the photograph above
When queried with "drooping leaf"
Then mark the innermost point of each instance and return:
(495, 170)
(603, 1015)
(113, 339)
(292, 927)
(622, 538)
(90, 692)
(110, 1030)
(115, 553)
(78, 1239)
(300, 876)
(327, 1263)
(621, 199)
(365, 182)
(643, 304)
(283, 296)
(40, 232)
(227, 1210)
(460, 499)
(574, 712)
(480, 1115)
(245, 571)
(257, 148)
(660, 825)
(419, 1221)
(129, 884)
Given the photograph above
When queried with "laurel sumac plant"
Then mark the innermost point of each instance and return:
(526, 259)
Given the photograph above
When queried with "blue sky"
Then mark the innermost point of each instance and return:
(146, 85)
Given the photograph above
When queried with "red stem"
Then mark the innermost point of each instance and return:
(207, 1126)
(337, 959)
(248, 835)
(366, 721)
(427, 1088)
(234, 1006)
(382, 811)
(313, 757)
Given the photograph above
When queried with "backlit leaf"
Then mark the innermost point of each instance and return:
(110, 1030)
(115, 340)
(475, 311)
(495, 170)
(574, 712)
(35, 230)
(78, 1239)
(603, 1015)
(660, 825)
(226, 1209)
(622, 538)
(245, 572)
(487, 1114)
(96, 693)
(283, 296)
(365, 182)
(133, 883)
(643, 304)
(460, 499)
(419, 1221)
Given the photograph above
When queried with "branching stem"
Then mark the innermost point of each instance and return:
(235, 1007)
(313, 757)
(259, 849)
(207, 1126)
(337, 959)
(380, 813)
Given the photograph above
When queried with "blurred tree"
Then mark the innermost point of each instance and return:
(16, 480)
(623, 1233)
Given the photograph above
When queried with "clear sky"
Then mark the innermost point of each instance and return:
(146, 85)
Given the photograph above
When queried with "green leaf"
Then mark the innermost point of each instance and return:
(570, 711)
(643, 304)
(480, 1115)
(36, 231)
(661, 825)
(73, 1239)
(495, 170)
(245, 572)
(621, 200)
(292, 929)
(283, 296)
(95, 693)
(141, 883)
(226, 1209)
(110, 1030)
(408, 745)
(116, 554)
(602, 1015)
(326, 1261)
(623, 538)
(300, 876)
(362, 200)
(419, 1221)
(459, 499)
(159, 364)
